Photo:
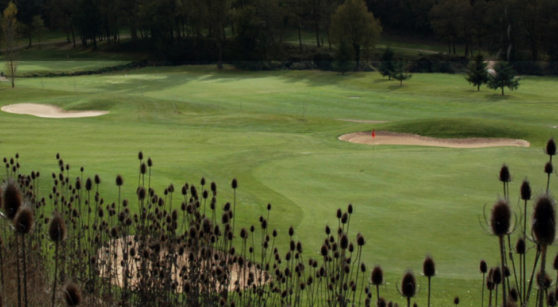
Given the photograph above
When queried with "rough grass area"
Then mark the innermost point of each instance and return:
(277, 133)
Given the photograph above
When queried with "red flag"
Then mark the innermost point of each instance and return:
(373, 133)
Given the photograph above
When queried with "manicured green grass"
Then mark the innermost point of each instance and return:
(277, 133)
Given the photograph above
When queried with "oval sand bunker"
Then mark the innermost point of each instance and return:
(392, 138)
(48, 111)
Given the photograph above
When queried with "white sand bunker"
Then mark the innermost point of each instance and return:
(48, 111)
(392, 138)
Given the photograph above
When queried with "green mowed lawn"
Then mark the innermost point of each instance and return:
(277, 133)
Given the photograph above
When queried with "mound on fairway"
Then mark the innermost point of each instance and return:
(392, 138)
(48, 111)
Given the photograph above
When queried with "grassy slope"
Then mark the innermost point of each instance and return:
(277, 133)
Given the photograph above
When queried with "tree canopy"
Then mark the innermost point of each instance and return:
(476, 71)
(353, 22)
(505, 77)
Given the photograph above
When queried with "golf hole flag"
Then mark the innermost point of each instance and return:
(373, 133)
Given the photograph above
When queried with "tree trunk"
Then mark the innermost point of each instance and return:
(478, 87)
(357, 56)
(317, 25)
(299, 39)
(502, 90)
(73, 35)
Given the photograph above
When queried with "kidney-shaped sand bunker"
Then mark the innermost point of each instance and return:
(393, 138)
(48, 111)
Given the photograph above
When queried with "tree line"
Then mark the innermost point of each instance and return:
(519, 29)
(257, 30)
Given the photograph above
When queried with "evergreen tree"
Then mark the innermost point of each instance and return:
(344, 58)
(476, 71)
(504, 77)
(400, 72)
(387, 66)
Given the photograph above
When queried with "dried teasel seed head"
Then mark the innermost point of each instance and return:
(381, 302)
(544, 220)
(525, 190)
(23, 221)
(514, 295)
(360, 240)
(377, 275)
(140, 155)
(13, 199)
(550, 147)
(409, 284)
(548, 168)
(344, 241)
(429, 267)
(234, 183)
(520, 246)
(119, 180)
(500, 219)
(57, 228)
(551, 298)
(505, 175)
(149, 162)
(456, 300)
(72, 295)
(88, 184)
(483, 267)
(496, 275)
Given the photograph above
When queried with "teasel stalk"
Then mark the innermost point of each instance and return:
(500, 223)
(544, 230)
(23, 223)
(520, 248)
(525, 192)
(483, 268)
(408, 286)
(550, 150)
(429, 270)
(377, 279)
(57, 233)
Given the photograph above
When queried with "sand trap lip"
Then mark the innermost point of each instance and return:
(392, 138)
(363, 121)
(48, 111)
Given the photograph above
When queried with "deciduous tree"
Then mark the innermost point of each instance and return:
(344, 58)
(9, 29)
(353, 22)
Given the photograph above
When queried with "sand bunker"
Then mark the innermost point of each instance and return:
(392, 138)
(48, 111)
(4, 79)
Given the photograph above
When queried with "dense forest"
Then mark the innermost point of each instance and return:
(256, 30)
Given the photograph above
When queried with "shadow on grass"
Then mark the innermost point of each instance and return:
(498, 97)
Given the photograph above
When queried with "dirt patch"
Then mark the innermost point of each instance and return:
(4, 79)
(238, 274)
(48, 111)
(392, 138)
(364, 121)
